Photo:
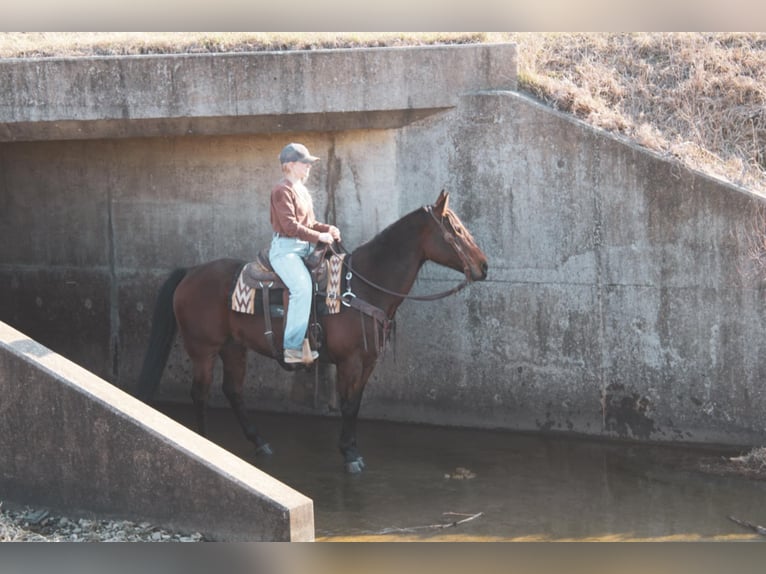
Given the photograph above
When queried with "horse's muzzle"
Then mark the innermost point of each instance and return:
(480, 274)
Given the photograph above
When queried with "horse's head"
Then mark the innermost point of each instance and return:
(449, 243)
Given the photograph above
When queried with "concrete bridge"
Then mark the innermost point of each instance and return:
(615, 306)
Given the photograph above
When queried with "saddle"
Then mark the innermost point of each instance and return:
(259, 272)
(257, 279)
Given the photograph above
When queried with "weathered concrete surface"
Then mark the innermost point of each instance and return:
(616, 304)
(614, 307)
(323, 90)
(75, 443)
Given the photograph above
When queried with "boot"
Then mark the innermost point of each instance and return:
(303, 355)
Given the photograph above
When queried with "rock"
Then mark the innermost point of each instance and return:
(39, 525)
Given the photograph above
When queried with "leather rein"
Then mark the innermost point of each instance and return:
(449, 238)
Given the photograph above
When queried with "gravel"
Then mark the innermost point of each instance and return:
(39, 525)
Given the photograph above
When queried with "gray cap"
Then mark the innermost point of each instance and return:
(296, 152)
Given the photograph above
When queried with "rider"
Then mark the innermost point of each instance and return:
(296, 232)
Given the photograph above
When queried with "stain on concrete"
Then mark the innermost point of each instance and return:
(627, 415)
(332, 183)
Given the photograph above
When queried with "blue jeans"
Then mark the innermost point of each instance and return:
(286, 255)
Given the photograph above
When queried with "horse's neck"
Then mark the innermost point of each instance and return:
(391, 260)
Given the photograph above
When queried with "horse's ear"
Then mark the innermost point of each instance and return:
(442, 202)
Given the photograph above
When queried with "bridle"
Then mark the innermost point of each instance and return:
(450, 237)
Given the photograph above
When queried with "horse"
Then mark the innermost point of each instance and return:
(195, 301)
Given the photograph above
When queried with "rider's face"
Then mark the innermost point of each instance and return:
(301, 170)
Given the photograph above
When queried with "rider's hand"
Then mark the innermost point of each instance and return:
(325, 237)
(335, 232)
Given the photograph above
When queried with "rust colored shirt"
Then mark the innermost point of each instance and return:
(292, 213)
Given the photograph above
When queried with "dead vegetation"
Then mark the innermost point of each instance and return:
(25, 524)
(80, 44)
(750, 465)
(755, 460)
(699, 98)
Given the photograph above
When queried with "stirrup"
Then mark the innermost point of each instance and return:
(308, 354)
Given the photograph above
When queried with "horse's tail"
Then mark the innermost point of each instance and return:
(160, 339)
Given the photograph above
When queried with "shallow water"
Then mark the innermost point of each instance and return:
(420, 480)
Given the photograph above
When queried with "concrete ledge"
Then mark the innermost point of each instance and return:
(169, 127)
(72, 442)
(254, 92)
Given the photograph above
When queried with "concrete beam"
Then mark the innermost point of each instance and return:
(261, 92)
(74, 443)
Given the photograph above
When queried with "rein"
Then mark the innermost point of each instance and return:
(451, 241)
(431, 297)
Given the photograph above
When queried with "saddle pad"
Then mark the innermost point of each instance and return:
(334, 274)
(243, 295)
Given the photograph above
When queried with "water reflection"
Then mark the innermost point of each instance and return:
(526, 487)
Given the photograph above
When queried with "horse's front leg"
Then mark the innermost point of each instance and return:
(352, 376)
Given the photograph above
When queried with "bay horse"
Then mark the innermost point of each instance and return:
(196, 302)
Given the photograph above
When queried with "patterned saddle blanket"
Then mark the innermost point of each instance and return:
(259, 278)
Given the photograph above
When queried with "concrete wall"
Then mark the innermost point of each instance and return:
(77, 444)
(614, 305)
(322, 90)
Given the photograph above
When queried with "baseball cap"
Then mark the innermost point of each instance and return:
(296, 152)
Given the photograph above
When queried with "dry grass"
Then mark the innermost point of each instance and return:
(756, 458)
(71, 44)
(698, 97)
(752, 464)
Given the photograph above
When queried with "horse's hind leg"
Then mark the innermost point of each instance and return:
(234, 357)
(202, 367)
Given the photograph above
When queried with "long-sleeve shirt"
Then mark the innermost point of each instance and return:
(292, 213)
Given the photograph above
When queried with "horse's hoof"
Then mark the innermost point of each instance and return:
(356, 466)
(264, 450)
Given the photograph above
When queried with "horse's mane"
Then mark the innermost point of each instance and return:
(394, 238)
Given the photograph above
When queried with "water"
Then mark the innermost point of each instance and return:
(508, 486)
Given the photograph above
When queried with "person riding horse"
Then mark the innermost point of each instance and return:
(296, 232)
(196, 303)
